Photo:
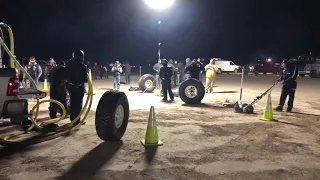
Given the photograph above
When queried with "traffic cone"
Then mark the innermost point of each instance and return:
(45, 85)
(152, 131)
(268, 111)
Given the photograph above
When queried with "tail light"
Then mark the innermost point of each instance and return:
(13, 86)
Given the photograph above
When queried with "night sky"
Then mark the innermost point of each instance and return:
(109, 30)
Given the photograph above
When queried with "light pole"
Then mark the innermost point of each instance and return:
(159, 5)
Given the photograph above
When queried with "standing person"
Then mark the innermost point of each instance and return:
(102, 71)
(116, 70)
(201, 72)
(187, 73)
(58, 90)
(105, 71)
(173, 68)
(181, 73)
(211, 71)
(157, 68)
(95, 71)
(48, 69)
(289, 80)
(166, 74)
(194, 69)
(127, 71)
(76, 75)
(34, 70)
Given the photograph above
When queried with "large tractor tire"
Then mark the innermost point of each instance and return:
(112, 116)
(191, 91)
(313, 74)
(147, 83)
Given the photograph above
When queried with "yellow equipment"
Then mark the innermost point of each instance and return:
(65, 129)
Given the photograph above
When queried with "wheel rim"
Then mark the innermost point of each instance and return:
(148, 84)
(119, 116)
(191, 91)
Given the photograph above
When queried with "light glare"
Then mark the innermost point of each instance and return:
(159, 4)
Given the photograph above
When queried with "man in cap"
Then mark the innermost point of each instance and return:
(211, 71)
(165, 74)
(289, 80)
(116, 70)
(76, 75)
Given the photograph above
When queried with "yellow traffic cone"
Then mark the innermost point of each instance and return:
(152, 131)
(45, 85)
(268, 111)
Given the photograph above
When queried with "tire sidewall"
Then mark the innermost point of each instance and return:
(200, 91)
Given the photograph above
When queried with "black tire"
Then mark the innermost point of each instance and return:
(302, 75)
(248, 109)
(105, 119)
(313, 74)
(198, 87)
(142, 83)
(237, 108)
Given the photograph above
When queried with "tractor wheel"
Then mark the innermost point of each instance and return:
(112, 116)
(147, 83)
(191, 91)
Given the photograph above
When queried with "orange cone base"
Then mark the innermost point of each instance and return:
(143, 142)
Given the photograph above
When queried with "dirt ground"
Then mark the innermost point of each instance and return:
(204, 142)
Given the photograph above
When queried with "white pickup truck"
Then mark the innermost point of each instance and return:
(13, 100)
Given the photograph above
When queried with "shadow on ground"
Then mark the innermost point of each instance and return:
(93, 161)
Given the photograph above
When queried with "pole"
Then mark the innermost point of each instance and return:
(140, 70)
(159, 38)
(241, 83)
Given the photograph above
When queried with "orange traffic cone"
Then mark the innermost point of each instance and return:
(151, 138)
(268, 111)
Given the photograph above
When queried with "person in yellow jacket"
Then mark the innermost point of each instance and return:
(211, 71)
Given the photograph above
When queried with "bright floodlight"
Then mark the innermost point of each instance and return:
(269, 60)
(159, 4)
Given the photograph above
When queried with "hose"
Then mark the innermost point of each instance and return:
(65, 129)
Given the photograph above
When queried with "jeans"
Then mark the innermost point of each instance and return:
(187, 76)
(116, 82)
(128, 80)
(36, 81)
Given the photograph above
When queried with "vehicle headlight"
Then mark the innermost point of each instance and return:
(251, 67)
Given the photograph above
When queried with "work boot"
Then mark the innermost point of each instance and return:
(279, 109)
(289, 109)
(164, 99)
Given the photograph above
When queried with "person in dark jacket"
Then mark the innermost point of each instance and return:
(58, 91)
(157, 68)
(166, 74)
(173, 77)
(49, 68)
(289, 80)
(194, 69)
(76, 78)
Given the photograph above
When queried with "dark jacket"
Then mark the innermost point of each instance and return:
(127, 68)
(289, 74)
(48, 70)
(194, 69)
(166, 73)
(76, 72)
(57, 76)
